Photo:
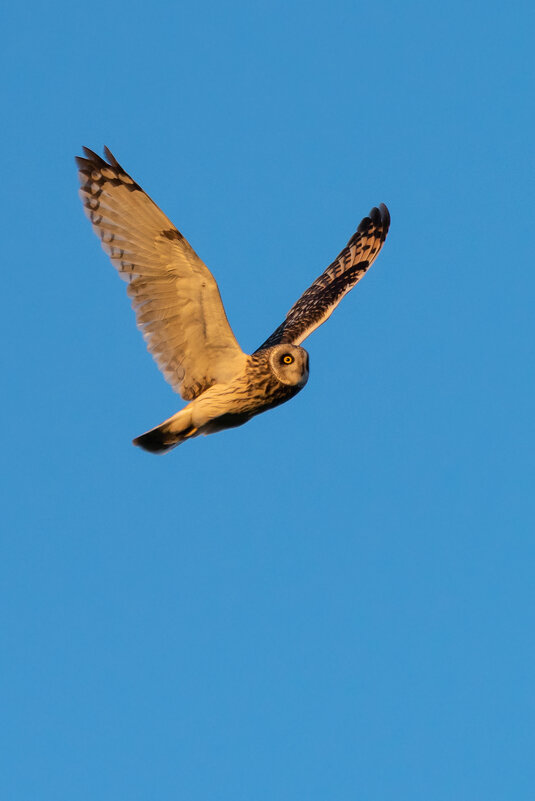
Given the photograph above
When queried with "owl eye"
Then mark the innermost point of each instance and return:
(287, 359)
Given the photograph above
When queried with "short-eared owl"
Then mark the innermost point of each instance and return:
(180, 312)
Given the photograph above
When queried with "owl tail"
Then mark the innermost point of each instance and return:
(168, 434)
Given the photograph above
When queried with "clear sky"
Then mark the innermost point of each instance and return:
(334, 602)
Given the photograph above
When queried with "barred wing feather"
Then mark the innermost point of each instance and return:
(321, 298)
(175, 296)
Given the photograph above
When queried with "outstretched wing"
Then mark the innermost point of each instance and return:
(321, 298)
(175, 296)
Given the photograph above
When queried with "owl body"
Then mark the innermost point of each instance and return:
(180, 313)
(272, 376)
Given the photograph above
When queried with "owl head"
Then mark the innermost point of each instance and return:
(289, 364)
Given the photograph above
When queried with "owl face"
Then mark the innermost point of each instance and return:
(289, 365)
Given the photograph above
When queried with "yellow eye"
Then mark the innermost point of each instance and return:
(287, 359)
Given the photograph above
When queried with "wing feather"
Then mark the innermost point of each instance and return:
(321, 298)
(175, 297)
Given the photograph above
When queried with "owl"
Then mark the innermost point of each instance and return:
(181, 315)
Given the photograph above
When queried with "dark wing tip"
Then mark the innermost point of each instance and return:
(111, 158)
(379, 218)
(113, 170)
(92, 158)
(385, 217)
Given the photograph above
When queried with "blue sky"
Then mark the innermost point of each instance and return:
(334, 601)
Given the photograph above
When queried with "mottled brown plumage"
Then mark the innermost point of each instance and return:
(181, 315)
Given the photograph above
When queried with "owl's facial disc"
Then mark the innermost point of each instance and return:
(289, 363)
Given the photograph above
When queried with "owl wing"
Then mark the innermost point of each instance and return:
(175, 297)
(321, 298)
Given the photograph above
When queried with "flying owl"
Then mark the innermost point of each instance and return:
(181, 315)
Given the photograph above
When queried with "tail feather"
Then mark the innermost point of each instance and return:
(168, 434)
